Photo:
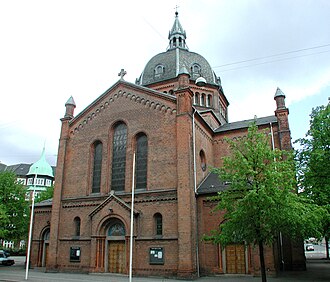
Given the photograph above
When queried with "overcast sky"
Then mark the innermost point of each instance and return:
(51, 50)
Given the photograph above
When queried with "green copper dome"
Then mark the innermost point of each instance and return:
(41, 167)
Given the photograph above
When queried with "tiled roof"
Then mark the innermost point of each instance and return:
(246, 123)
(211, 184)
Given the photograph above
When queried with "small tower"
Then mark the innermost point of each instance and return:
(282, 113)
(177, 35)
(69, 108)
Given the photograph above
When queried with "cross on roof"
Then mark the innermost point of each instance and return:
(176, 9)
(122, 73)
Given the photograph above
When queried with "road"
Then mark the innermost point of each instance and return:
(318, 270)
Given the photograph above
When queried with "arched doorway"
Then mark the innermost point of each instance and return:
(45, 246)
(116, 247)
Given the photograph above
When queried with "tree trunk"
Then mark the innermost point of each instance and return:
(327, 247)
(262, 262)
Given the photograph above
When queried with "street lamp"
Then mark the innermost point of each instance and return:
(30, 230)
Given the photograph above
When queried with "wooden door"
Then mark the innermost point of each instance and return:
(235, 259)
(117, 257)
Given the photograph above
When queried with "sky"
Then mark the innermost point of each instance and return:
(51, 50)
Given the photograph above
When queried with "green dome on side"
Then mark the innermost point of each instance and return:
(41, 167)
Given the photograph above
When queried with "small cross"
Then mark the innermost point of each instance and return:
(176, 10)
(122, 73)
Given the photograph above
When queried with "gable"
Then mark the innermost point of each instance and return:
(124, 93)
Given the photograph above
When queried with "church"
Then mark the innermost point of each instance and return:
(157, 137)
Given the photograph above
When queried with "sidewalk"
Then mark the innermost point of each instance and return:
(317, 270)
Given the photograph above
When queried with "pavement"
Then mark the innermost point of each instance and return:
(317, 270)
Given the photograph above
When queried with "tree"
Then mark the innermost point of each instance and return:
(313, 164)
(14, 209)
(261, 200)
(45, 195)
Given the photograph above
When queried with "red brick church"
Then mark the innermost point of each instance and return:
(174, 118)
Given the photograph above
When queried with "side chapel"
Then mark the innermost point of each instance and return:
(174, 118)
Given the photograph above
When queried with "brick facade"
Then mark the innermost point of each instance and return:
(172, 125)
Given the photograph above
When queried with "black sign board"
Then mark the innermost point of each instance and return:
(75, 253)
(156, 255)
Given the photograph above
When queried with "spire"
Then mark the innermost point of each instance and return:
(177, 35)
(41, 167)
(69, 108)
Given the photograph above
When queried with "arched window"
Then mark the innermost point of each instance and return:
(116, 229)
(119, 157)
(197, 98)
(97, 166)
(159, 70)
(202, 160)
(141, 161)
(203, 99)
(46, 235)
(158, 218)
(209, 101)
(76, 226)
(196, 70)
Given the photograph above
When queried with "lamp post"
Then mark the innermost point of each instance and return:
(30, 230)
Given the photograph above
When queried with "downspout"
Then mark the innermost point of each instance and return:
(281, 239)
(195, 189)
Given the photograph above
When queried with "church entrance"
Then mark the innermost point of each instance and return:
(117, 261)
(116, 248)
(235, 259)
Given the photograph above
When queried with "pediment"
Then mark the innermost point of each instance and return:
(112, 202)
(124, 92)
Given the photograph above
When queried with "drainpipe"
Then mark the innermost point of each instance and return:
(195, 188)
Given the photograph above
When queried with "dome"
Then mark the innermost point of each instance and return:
(41, 167)
(167, 65)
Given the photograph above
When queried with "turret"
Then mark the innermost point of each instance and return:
(282, 113)
(177, 35)
(69, 108)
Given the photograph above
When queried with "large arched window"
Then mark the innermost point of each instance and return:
(158, 218)
(119, 157)
(141, 161)
(76, 222)
(97, 167)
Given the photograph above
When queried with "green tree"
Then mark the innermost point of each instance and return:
(313, 164)
(14, 209)
(261, 200)
(45, 195)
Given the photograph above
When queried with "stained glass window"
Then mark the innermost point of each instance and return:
(117, 229)
(119, 157)
(141, 161)
(97, 166)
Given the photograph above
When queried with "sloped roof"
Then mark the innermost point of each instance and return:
(211, 184)
(246, 123)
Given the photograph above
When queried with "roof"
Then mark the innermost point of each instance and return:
(246, 123)
(176, 58)
(45, 203)
(211, 184)
(41, 167)
(18, 169)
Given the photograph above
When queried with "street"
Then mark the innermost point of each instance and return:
(317, 270)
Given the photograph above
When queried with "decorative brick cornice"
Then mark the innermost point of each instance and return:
(137, 98)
